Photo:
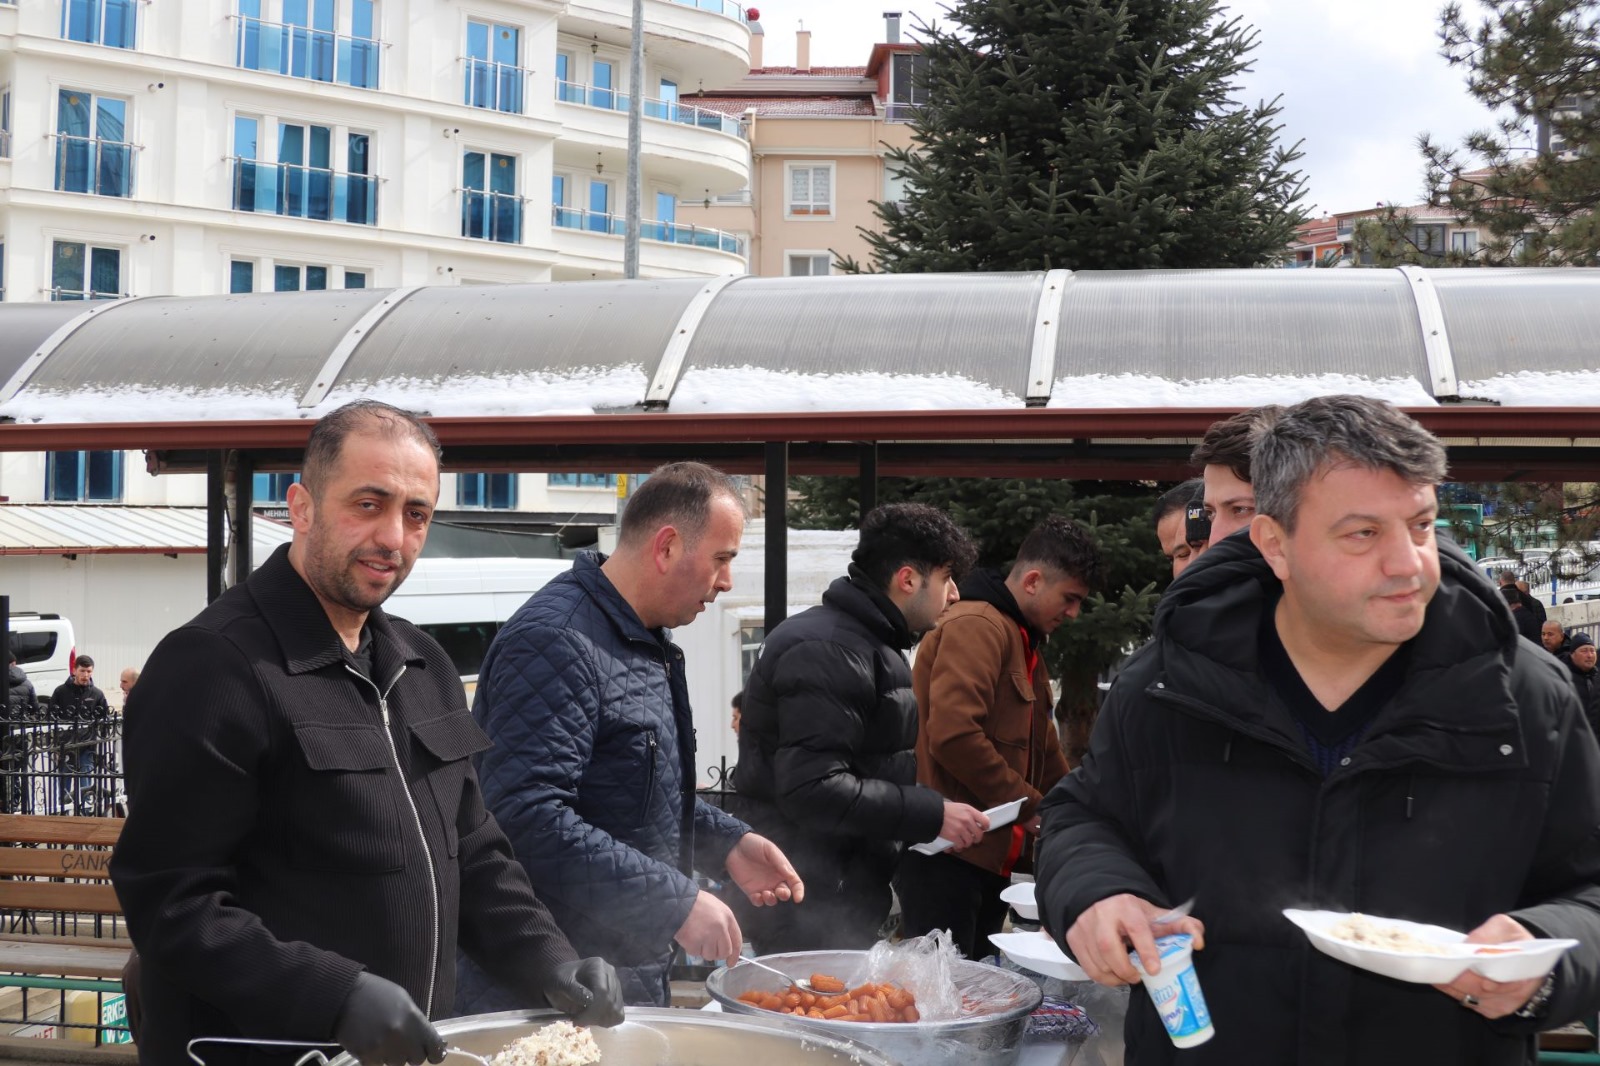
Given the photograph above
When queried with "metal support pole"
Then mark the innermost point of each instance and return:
(216, 523)
(635, 180)
(5, 648)
(869, 479)
(777, 562)
(244, 485)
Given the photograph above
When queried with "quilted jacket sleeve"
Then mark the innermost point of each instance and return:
(715, 831)
(821, 687)
(539, 700)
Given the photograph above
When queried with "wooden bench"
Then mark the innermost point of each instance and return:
(52, 866)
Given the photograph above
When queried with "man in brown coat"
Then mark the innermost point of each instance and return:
(985, 734)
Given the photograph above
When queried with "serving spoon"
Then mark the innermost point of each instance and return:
(802, 983)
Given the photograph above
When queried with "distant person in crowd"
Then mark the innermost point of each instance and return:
(828, 753)
(985, 730)
(1334, 713)
(80, 710)
(306, 843)
(22, 705)
(1554, 639)
(1581, 661)
(738, 712)
(1172, 524)
(1223, 455)
(592, 770)
(130, 677)
(1532, 602)
(1527, 624)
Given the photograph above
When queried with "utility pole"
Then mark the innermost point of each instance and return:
(635, 180)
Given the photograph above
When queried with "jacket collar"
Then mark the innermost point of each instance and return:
(624, 619)
(988, 585)
(304, 633)
(1455, 707)
(856, 596)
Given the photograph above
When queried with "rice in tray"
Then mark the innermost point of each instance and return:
(557, 1044)
(1359, 929)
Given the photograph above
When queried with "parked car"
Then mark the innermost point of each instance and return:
(45, 648)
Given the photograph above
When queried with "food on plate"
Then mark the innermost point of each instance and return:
(865, 1003)
(1359, 929)
(557, 1044)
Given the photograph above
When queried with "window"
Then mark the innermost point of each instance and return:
(77, 477)
(666, 219)
(494, 80)
(810, 189)
(5, 121)
(751, 637)
(1465, 241)
(605, 76)
(582, 481)
(107, 22)
(271, 488)
(285, 168)
(290, 278)
(667, 108)
(894, 185)
(809, 264)
(491, 210)
(906, 90)
(80, 271)
(497, 491)
(320, 40)
(2, 271)
(92, 151)
(241, 276)
(600, 206)
(355, 279)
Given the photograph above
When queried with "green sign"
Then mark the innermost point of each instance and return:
(114, 1012)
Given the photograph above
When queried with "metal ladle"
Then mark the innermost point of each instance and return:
(802, 983)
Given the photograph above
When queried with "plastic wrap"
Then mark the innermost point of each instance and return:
(925, 966)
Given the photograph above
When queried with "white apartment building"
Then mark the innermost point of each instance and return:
(194, 147)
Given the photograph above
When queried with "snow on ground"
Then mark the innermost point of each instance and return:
(1143, 390)
(734, 390)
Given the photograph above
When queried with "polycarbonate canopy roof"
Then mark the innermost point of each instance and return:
(758, 346)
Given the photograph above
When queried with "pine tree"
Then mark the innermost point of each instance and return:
(1532, 183)
(1088, 134)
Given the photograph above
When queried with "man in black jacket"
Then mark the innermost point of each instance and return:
(1335, 713)
(306, 841)
(827, 741)
(79, 711)
(1585, 678)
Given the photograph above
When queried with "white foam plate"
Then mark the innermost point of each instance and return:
(1022, 900)
(999, 816)
(1519, 960)
(1037, 952)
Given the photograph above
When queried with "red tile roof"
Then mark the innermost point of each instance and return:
(785, 105)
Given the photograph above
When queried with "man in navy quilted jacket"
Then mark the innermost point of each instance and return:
(592, 770)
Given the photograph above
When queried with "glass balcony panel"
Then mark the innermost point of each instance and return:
(304, 192)
(91, 165)
(301, 52)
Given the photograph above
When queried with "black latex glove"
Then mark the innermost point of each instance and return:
(381, 1026)
(588, 990)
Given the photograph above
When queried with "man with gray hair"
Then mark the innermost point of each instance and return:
(1335, 713)
(592, 771)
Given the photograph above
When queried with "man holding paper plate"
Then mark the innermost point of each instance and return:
(1338, 715)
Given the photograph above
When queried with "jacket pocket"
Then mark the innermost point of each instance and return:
(451, 741)
(344, 818)
(1012, 719)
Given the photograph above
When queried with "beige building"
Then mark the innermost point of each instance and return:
(819, 137)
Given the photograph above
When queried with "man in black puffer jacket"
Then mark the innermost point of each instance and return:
(1334, 712)
(827, 741)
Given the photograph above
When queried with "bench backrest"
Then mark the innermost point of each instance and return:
(81, 851)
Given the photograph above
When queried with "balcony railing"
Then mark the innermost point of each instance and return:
(91, 165)
(571, 92)
(302, 52)
(722, 7)
(5, 136)
(649, 229)
(495, 86)
(84, 294)
(304, 192)
(900, 112)
(491, 216)
(112, 23)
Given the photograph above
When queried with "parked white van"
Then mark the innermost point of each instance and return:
(45, 649)
(462, 603)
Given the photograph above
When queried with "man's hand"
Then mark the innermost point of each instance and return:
(710, 931)
(964, 825)
(1493, 999)
(588, 990)
(1101, 936)
(762, 873)
(381, 1026)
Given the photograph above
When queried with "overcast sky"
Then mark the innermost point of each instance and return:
(1359, 80)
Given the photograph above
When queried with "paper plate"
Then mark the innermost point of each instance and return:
(1520, 960)
(1021, 899)
(999, 816)
(1037, 952)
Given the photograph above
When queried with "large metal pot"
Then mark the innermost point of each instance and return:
(658, 1037)
(990, 1040)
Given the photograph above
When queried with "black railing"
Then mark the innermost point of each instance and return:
(53, 764)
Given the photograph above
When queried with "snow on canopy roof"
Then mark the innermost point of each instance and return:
(902, 342)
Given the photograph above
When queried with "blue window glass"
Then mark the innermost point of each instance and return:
(605, 73)
(490, 207)
(582, 481)
(316, 278)
(355, 279)
(78, 477)
(666, 217)
(82, 272)
(498, 491)
(107, 22)
(271, 488)
(599, 206)
(307, 42)
(494, 79)
(285, 279)
(92, 152)
(241, 276)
